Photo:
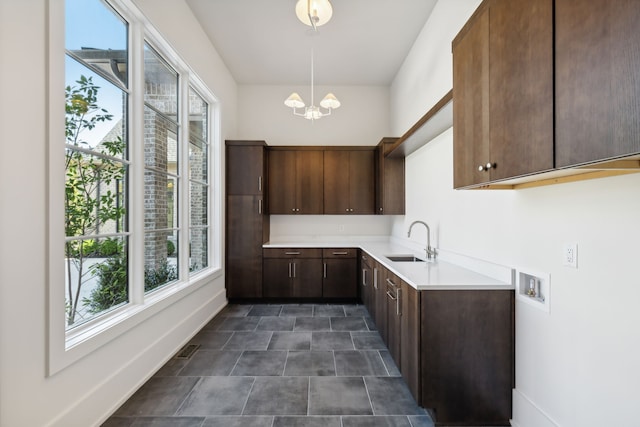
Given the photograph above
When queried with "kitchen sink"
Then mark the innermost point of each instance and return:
(404, 258)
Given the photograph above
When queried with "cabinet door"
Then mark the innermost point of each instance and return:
(339, 278)
(521, 84)
(366, 282)
(361, 182)
(245, 166)
(409, 340)
(307, 278)
(389, 181)
(503, 92)
(309, 182)
(282, 182)
(471, 101)
(393, 317)
(469, 348)
(597, 91)
(336, 182)
(244, 247)
(381, 303)
(277, 276)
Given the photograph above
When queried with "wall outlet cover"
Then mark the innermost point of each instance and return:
(570, 255)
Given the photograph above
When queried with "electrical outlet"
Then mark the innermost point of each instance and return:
(570, 255)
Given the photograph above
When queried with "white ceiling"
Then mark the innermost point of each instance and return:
(263, 42)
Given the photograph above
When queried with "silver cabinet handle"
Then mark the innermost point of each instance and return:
(390, 295)
(324, 270)
(375, 278)
(289, 270)
(398, 308)
(391, 283)
(260, 206)
(341, 253)
(486, 167)
(292, 253)
(260, 184)
(294, 270)
(364, 277)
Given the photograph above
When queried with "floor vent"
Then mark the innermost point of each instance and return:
(187, 351)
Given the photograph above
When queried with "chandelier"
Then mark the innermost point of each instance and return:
(313, 13)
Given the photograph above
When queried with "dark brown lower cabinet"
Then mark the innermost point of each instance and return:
(409, 343)
(366, 283)
(394, 334)
(467, 355)
(246, 227)
(292, 273)
(455, 349)
(339, 273)
(380, 301)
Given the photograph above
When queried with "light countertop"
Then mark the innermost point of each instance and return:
(449, 271)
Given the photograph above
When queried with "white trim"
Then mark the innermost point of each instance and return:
(55, 193)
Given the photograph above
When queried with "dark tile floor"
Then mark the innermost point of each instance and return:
(291, 365)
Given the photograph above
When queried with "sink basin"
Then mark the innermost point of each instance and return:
(404, 258)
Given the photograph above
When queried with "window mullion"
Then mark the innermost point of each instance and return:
(136, 200)
(184, 217)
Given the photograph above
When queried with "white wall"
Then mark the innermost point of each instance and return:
(576, 366)
(88, 390)
(362, 119)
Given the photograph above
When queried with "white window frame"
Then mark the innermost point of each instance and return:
(67, 347)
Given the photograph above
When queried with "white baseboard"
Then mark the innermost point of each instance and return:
(527, 414)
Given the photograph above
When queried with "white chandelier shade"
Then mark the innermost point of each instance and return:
(314, 13)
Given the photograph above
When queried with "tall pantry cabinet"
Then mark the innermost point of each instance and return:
(247, 223)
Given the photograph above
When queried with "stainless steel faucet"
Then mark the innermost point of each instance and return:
(430, 251)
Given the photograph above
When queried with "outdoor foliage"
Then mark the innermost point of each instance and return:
(86, 208)
(112, 282)
(112, 285)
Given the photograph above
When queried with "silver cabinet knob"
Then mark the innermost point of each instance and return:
(480, 168)
(489, 166)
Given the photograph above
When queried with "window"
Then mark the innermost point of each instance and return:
(96, 163)
(198, 182)
(123, 254)
(161, 171)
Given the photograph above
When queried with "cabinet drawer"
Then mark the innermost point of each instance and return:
(291, 253)
(339, 253)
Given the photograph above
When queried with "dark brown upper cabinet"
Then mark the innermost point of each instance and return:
(246, 168)
(349, 181)
(296, 181)
(389, 173)
(503, 92)
(597, 89)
